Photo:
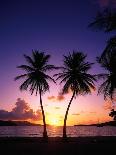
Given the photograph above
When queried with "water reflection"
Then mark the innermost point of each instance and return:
(53, 131)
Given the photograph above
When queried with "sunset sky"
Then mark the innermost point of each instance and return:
(57, 28)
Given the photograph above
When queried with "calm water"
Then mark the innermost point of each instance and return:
(74, 131)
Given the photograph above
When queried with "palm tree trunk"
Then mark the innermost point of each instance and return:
(45, 136)
(66, 114)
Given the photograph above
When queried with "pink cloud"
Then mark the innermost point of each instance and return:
(21, 111)
(76, 114)
(59, 98)
(51, 97)
(92, 112)
(57, 108)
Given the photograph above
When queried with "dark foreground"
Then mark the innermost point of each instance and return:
(55, 146)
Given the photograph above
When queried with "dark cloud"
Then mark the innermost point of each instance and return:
(105, 3)
(21, 111)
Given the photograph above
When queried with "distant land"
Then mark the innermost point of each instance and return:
(26, 123)
(17, 123)
(110, 123)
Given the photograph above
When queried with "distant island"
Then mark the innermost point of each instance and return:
(17, 123)
(110, 123)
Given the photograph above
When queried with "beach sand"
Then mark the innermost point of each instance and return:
(55, 146)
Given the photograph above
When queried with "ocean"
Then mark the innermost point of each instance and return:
(53, 131)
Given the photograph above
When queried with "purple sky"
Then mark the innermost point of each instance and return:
(56, 27)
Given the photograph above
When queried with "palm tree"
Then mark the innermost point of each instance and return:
(105, 20)
(113, 114)
(108, 63)
(35, 78)
(75, 77)
(110, 48)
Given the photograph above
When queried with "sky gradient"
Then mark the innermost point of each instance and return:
(57, 28)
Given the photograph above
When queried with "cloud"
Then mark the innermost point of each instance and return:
(21, 111)
(82, 111)
(106, 3)
(51, 98)
(103, 3)
(76, 114)
(92, 112)
(59, 98)
(56, 108)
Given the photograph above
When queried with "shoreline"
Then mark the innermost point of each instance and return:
(56, 146)
(70, 139)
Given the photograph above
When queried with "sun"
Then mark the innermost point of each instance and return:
(54, 121)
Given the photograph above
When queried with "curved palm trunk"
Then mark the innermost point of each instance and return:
(66, 114)
(45, 136)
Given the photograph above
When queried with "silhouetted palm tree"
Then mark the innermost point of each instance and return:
(35, 78)
(105, 20)
(113, 114)
(108, 87)
(110, 48)
(74, 75)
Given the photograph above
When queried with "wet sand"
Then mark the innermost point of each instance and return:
(55, 146)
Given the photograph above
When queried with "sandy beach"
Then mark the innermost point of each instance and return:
(55, 146)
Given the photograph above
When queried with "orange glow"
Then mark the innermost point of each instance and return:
(54, 120)
(86, 109)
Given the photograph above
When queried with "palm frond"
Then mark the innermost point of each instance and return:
(20, 76)
(49, 78)
(49, 68)
(29, 60)
(26, 68)
(25, 84)
(101, 76)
